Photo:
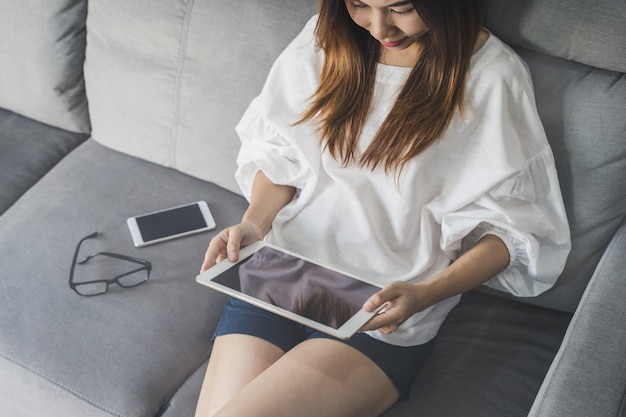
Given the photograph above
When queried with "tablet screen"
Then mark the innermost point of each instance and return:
(293, 284)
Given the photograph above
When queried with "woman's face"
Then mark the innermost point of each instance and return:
(395, 24)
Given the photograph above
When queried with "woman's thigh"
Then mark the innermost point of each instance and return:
(236, 359)
(319, 377)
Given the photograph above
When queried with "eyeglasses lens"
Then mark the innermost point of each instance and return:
(133, 279)
(92, 288)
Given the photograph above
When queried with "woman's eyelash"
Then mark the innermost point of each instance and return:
(407, 11)
(363, 6)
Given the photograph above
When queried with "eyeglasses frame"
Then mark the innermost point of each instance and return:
(146, 265)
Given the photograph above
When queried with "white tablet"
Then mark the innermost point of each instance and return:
(291, 286)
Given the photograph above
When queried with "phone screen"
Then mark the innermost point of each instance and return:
(170, 222)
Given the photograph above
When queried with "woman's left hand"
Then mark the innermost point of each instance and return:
(485, 260)
(402, 301)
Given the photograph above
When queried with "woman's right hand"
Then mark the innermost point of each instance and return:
(266, 200)
(228, 242)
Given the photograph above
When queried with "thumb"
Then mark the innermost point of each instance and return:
(379, 299)
(233, 246)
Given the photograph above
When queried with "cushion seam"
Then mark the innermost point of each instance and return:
(180, 67)
(59, 385)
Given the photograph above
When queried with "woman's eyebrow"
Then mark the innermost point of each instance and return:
(400, 3)
(396, 4)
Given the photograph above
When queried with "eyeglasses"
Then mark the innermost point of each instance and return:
(100, 286)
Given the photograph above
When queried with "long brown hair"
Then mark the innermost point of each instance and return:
(428, 100)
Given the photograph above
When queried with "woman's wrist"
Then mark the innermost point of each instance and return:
(256, 228)
(425, 295)
(261, 226)
(266, 201)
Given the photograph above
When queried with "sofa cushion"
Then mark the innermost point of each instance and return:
(183, 403)
(41, 75)
(582, 109)
(587, 31)
(489, 360)
(178, 75)
(588, 374)
(123, 353)
(28, 149)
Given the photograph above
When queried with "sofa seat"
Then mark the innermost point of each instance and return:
(29, 149)
(166, 81)
(131, 352)
(123, 353)
(490, 357)
(489, 360)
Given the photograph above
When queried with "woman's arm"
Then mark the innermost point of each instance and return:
(266, 201)
(478, 265)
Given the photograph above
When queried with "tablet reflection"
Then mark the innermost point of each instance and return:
(302, 287)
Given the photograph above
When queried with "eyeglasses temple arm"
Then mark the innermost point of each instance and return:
(75, 257)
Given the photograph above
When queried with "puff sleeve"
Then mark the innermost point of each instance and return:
(264, 148)
(512, 187)
(271, 138)
(526, 212)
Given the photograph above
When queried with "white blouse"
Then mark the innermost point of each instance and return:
(492, 172)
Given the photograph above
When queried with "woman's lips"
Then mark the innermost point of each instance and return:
(391, 44)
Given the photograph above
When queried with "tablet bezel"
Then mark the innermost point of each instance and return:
(344, 332)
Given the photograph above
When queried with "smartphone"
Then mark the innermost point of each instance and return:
(160, 226)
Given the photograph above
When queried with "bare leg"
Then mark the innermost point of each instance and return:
(235, 361)
(319, 377)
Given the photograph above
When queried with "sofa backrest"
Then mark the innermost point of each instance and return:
(576, 51)
(41, 67)
(167, 80)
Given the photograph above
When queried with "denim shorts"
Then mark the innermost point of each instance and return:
(400, 364)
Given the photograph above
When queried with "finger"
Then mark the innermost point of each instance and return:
(210, 258)
(234, 244)
(206, 264)
(383, 324)
(215, 252)
(380, 298)
(382, 319)
(388, 329)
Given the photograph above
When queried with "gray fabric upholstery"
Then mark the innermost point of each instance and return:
(591, 364)
(123, 353)
(588, 31)
(28, 149)
(582, 110)
(183, 403)
(43, 50)
(167, 81)
(184, 94)
(489, 360)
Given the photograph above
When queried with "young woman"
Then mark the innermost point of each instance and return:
(398, 141)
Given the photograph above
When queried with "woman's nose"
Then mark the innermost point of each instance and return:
(380, 26)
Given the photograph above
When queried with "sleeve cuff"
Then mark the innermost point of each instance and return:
(518, 256)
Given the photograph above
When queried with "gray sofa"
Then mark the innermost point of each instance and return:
(111, 108)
